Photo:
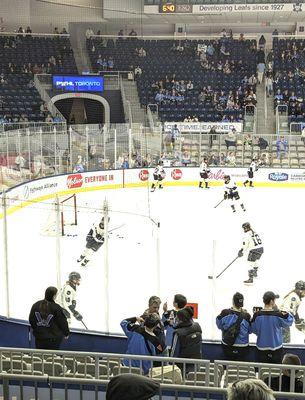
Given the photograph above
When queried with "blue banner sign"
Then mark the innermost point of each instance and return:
(82, 83)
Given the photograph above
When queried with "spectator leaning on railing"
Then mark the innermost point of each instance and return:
(268, 325)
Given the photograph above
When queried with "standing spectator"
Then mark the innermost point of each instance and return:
(141, 340)
(262, 143)
(187, 339)
(275, 32)
(230, 138)
(175, 133)
(262, 42)
(138, 71)
(89, 33)
(154, 303)
(131, 387)
(267, 325)
(120, 34)
(231, 160)
(79, 166)
(169, 317)
(281, 147)
(283, 384)
(249, 389)
(269, 84)
(20, 162)
(235, 320)
(133, 33)
(48, 322)
(56, 31)
(260, 71)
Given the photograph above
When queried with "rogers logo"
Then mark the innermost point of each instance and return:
(144, 174)
(176, 174)
(217, 175)
(74, 181)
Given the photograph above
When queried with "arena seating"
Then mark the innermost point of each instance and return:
(164, 60)
(20, 57)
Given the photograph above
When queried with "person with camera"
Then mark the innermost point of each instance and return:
(234, 324)
(141, 340)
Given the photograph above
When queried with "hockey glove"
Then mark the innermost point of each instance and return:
(77, 316)
(225, 196)
(240, 253)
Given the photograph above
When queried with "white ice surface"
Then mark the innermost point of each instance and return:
(195, 240)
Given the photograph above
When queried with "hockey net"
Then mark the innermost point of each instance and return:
(67, 216)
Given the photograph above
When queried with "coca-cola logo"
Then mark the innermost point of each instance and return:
(144, 174)
(176, 174)
(217, 175)
(75, 181)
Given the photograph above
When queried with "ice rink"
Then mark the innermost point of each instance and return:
(196, 240)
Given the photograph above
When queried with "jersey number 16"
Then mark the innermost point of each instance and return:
(256, 239)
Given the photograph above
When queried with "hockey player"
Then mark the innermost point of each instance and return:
(291, 304)
(66, 297)
(204, 173)
(252, 244)
(95, 239)
(159, 175)
(253, 167)
(231, 192)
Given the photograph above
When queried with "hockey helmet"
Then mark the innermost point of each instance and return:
(227, 178)
(74, 276)
(300, 285)
(246, 226)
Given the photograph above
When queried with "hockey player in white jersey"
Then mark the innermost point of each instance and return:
(66, 297)
(204, 174)
(95, 239)
(159, 175)
(291, 304)
(231, 193)
(253, 167)
(253, 246)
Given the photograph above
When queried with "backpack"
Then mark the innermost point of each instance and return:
(229, 336)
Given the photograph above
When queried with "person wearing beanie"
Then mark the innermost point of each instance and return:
(141, 340)
(187, 338)
(235, 320)
(131, 387)
(48, 322)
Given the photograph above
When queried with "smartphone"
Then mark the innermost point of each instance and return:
(256, 309)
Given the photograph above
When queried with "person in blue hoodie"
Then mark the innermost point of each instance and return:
(141, 340)
(229, 316)
(267, 324)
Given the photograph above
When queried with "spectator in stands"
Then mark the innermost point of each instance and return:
(48, 322)
(133, 33)
(28, 30)
(142, 52)
(64, 31)
(49, 118)
(269, 84)
(57, 118)
(262, 42)
(169, 317)
(141, 339)
(20, 162)
(79, 166)
(131, 387)
(20, 30)
(281, 147)
(189, 85)
(249, 389)
(275, 32)
(260, 71)
(230, 139)
(267, 325)
(283, 384)
(238, 318)
(241, 37)
(138, 71)
(210, 51)
(262, 143)
(175, 133)
(89, 33)
(120, 34)
(56, 31)
(187, 339)
(110, 64)
(231, 160)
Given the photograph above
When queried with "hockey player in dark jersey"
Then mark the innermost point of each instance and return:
(204, 173)
(231, 193)
(95, 239)
(159, 175)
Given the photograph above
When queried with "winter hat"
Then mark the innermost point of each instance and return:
(131, 387)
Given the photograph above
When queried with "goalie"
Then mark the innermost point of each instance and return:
(291, 304)
(95, 239)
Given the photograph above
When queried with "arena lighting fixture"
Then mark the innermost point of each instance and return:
(62, 3)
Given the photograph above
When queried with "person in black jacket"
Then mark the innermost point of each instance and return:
(48, 322)
(187, 339)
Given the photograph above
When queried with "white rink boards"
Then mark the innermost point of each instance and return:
(195, 239)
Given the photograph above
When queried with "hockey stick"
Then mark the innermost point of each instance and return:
(211, 277)
(84, 324)
(118, 227)
(219, 203)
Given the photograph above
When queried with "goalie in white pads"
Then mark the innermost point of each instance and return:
(253, 245)
(66, 297)
(253, 167)
(204, 174)
(291, 304)
(231, 193)
(95, 239)
(159, 175)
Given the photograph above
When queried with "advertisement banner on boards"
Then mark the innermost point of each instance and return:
(197, 127)
(246, 8)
